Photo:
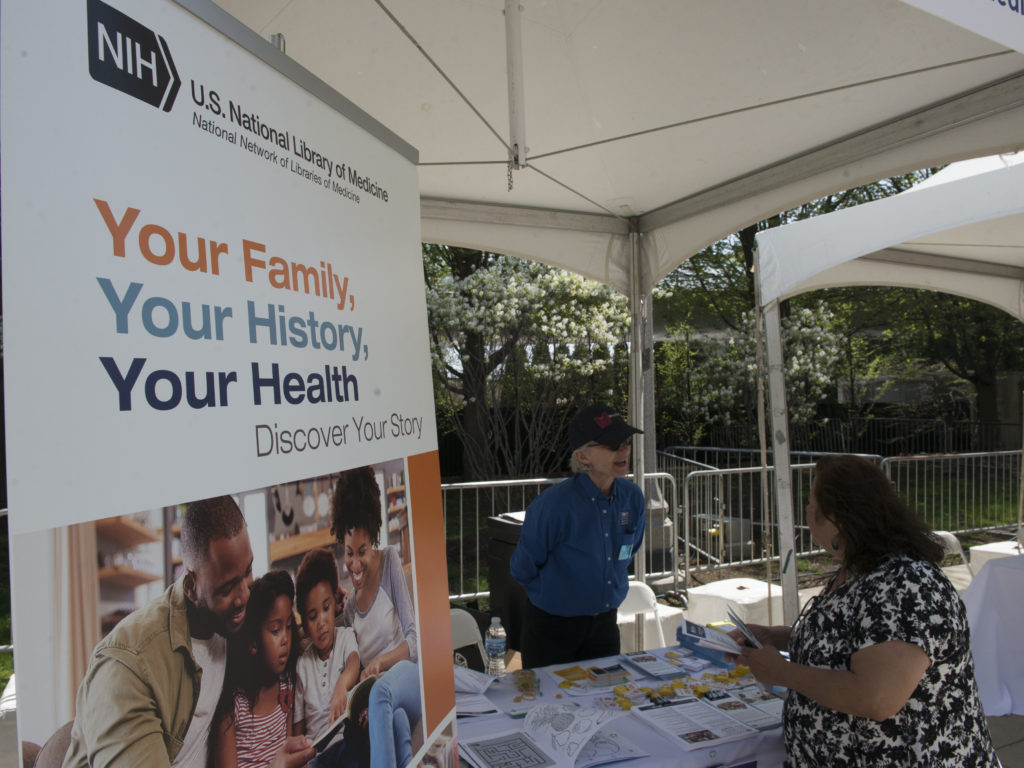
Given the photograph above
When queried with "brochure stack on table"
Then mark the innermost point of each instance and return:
(666, 707)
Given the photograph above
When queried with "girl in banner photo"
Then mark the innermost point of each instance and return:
(381, 613)
(254, 716)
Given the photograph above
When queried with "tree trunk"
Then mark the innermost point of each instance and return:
(478, 459)
(988, 399)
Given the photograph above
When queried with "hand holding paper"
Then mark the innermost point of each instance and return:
(743, 628)
(708, 637)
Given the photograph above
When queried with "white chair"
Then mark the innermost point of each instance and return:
(467, 643)
(639, 603)
(951, 547)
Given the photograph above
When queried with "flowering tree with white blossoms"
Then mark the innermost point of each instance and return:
(713, 380)
(517, 346)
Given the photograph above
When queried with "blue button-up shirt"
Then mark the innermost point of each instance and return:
(576, 545)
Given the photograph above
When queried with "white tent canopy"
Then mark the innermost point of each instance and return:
(652, 128)
(960, 232)
(680, 119)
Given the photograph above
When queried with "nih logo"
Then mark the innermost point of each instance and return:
(130, 57)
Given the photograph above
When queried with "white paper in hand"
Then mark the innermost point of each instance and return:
(738, 623)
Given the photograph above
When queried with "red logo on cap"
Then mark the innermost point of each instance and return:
(603, 420)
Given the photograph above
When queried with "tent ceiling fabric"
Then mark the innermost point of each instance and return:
(691, 118)
(960, 232)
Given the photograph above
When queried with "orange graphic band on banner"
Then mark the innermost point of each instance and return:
(431, 588)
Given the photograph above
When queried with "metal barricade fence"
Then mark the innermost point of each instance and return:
(960, 492)
(719, 519)
(724, 522)
(728, 521)
(468, 506)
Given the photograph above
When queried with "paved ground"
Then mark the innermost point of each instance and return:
(8, 742)
(1008, 736)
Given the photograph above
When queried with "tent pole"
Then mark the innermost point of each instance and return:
(636, 379)
(780, 446)
(516, 91)
(1020, 493)
(767, 512)
(638, 321)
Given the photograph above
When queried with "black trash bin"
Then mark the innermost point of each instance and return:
(508, 598)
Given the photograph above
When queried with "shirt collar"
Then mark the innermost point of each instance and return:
(587, 487)
(178, 618)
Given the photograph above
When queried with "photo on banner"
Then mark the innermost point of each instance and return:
(212, 290)
(110, 568)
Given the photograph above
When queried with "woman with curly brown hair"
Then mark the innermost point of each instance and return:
(880, 670)
(381, 613)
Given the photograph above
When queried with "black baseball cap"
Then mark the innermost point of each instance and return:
(599, 424)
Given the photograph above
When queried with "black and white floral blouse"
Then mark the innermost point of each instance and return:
(942, 725)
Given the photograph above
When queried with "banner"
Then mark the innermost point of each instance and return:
(998, 20)
(212, 284)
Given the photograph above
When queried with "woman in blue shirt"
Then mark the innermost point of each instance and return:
(576, 545)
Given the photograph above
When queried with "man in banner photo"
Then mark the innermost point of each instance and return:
(152, 685)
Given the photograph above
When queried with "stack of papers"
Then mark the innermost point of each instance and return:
(473, 705)
(470, 681)
(651, 665)
(694, 723)
(709, 637)
(738, 623)
(717, 640)
(553, 734)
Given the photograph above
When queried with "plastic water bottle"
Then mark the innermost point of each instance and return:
(496, 644)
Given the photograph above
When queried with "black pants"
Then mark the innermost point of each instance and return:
(550, 639)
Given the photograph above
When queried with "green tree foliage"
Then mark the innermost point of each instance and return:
(706, 370)
(516, 347)
(972, 340)
(883, 334)
(704, 381)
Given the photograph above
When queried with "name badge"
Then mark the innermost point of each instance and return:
(625, 551)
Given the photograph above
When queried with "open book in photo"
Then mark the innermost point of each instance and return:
(560, 735)
(358, 700)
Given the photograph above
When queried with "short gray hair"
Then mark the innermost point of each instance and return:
(576, 466)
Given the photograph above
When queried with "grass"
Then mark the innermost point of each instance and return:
(952, 503)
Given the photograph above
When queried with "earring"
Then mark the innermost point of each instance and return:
(835, 544)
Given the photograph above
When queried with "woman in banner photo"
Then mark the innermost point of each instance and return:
(254, 716)
(381, 612)
(577, 542)
(880, 670)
